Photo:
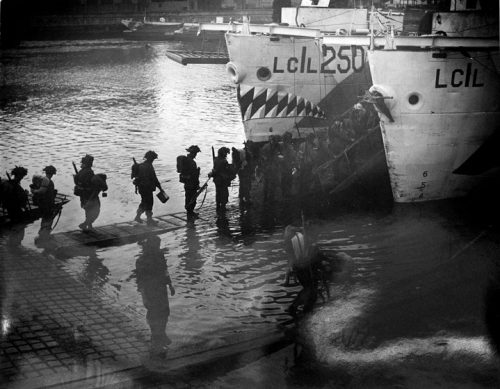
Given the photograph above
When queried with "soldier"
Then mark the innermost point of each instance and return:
(83, 187)
(190, 177)
(14, 197)
(147, 182)
(93, 205)
(307, 158)
(288, 164)
(223, 174)
(244, 162)
(301, 254)
(44, 196)
(269, 165)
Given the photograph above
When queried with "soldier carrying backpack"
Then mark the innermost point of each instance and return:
(146, 182)
(189, 175)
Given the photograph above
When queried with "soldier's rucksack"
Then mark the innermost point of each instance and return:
(36, 183)
(181, 167)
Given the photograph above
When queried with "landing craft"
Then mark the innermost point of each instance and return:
(443, 93)
(440, 84)
(288, 78)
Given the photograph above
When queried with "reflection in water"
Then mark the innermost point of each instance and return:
(223, 225)
(152, 281)
(16, 232)
(191, 259)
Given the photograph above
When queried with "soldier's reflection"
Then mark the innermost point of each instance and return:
(152, 281)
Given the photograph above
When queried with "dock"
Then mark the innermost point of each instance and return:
(32, 211)
(185, 57)
(117, 233)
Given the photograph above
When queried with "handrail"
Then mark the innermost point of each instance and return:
(434, 41)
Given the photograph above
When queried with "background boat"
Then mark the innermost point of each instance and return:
(149, 30)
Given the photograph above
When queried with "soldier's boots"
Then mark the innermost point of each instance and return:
(150, 221)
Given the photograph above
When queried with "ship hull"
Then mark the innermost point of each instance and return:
(446, 114)
(294, 84)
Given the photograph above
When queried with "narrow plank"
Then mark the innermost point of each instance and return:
(178, 217)
(171, 221)
(118, 233)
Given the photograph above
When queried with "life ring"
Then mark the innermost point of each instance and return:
(234, 73)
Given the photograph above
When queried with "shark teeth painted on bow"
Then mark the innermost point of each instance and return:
(259, 103)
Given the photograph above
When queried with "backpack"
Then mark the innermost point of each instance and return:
(181, 163)
(36, 183)
(181, 167)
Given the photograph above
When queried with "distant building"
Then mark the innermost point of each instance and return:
(62, 7)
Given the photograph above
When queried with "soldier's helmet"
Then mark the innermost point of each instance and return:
(50, 169)
(223, 151)
(150, 155)
(287, 136)
(193, 149)
(88, 160)
(19, 172)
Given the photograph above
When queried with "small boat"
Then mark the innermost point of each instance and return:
(32, 211)
(150, 30)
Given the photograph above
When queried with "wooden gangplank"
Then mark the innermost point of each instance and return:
(185, 57)
(32, 211)
(117, 233)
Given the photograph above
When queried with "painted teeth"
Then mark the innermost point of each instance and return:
(260, 103)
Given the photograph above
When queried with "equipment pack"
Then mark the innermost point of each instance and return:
(181, 167)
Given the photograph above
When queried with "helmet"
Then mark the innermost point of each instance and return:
(88, 160)
(50, 169)
(19, 172)
(223, 151)
(150, 155)
(193, 149)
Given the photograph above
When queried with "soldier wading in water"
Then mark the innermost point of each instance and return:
(146, 181)
(88, 186)
(222, 174)
(189, 175)
(44, 196)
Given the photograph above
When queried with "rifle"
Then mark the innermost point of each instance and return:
(132, 174)
(198, 192)
(135, 163)
(8, 176)
(74, 167)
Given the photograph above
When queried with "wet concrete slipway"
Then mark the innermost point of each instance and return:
(412, 294)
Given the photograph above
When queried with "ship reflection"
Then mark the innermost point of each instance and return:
(152, 282)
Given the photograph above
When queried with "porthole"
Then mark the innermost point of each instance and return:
(263, 74)
(413, 99)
